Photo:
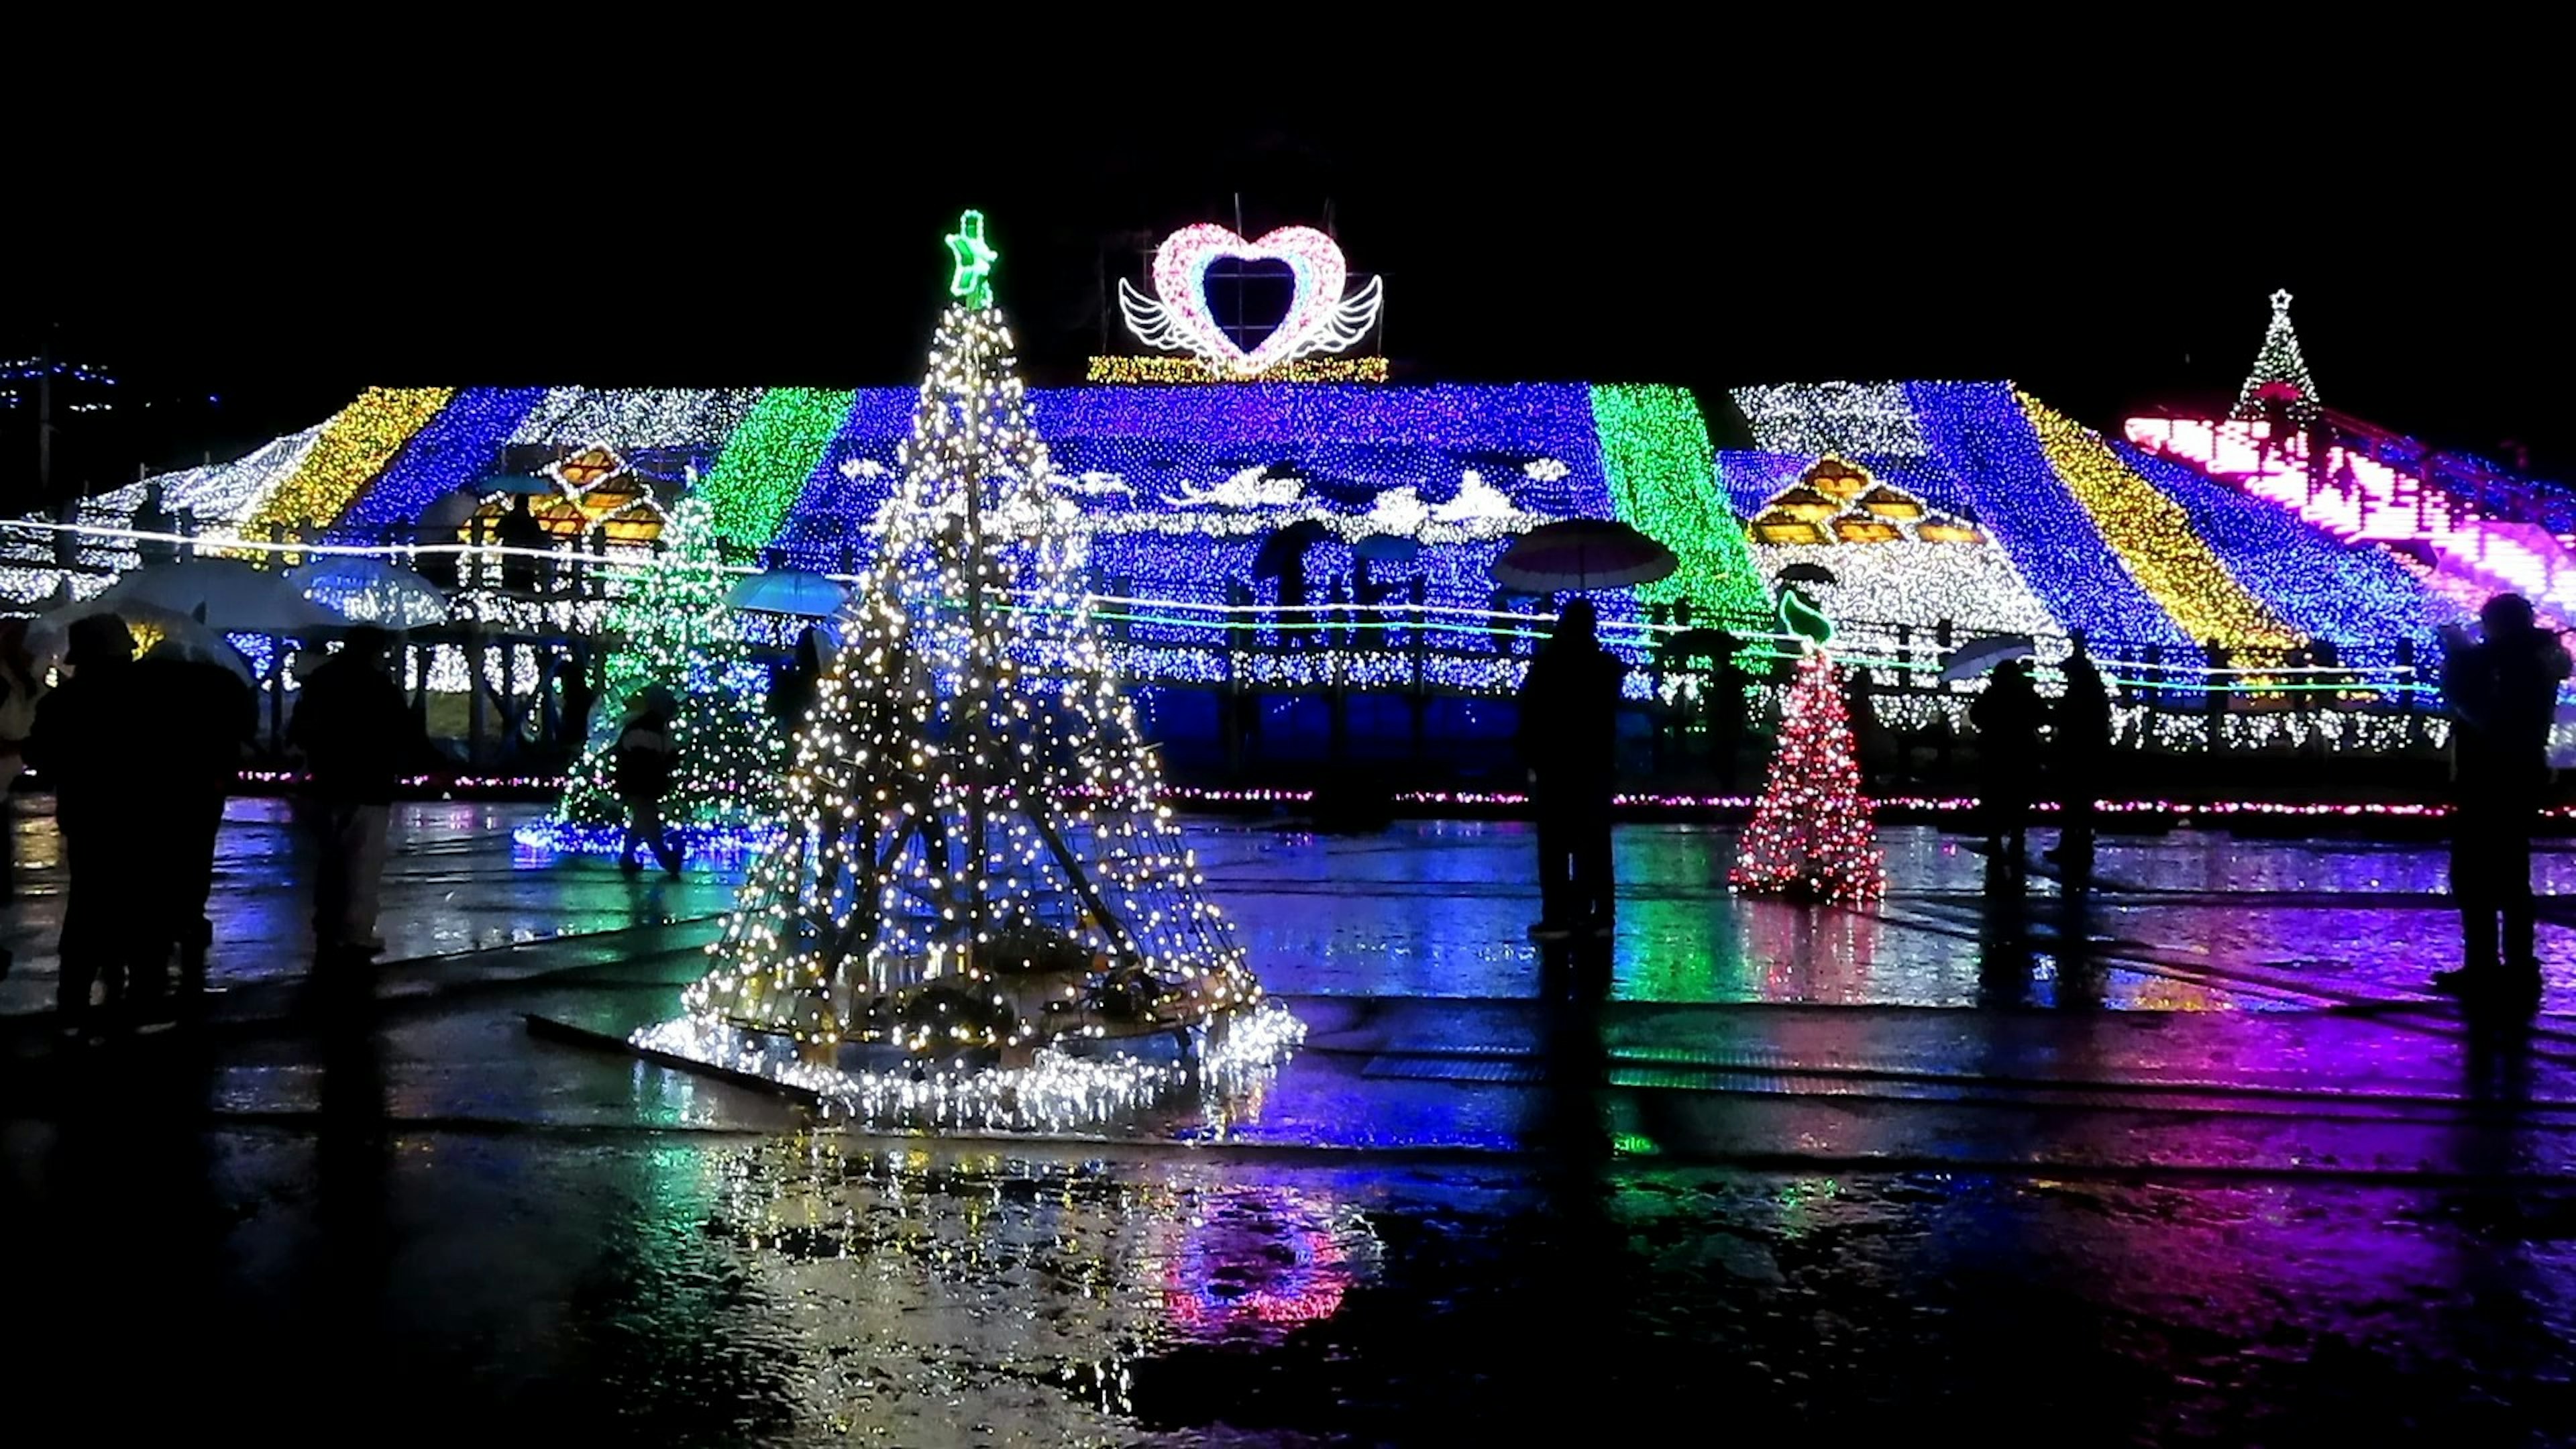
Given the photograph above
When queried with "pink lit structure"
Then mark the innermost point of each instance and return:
(2467, 557)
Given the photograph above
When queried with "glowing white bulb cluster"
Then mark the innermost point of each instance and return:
(1849, 419)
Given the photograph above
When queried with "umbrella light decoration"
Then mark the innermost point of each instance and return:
(797, 593)
(228, 595)
(1579, 555)
(368, 590)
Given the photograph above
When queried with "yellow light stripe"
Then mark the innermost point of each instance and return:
(2154, 539)
(354, 447)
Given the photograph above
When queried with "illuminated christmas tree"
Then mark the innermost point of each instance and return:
(679, 635)
(975, 857)
(1811, 835)
(2280, 376)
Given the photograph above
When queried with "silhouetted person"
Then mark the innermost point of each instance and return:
(525, 539)
(1569, 721)
(359, 738)
(98, 739)
(443, 568)
(2082, 723)
(213, 717)
(1294, 621)
(578, 697)
(2503, 693)
(2276, 428)
(791, 695)
(2007, 717)
(645, 759)
(1727, 686)
(153, 516)
(20, 692)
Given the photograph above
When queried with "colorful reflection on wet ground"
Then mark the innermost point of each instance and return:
(2186, 1157)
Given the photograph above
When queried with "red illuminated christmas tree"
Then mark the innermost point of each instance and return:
(1811, 836)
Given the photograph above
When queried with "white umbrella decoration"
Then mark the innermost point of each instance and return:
(226, 595)
(789, 591)
(158, 633)
(372, 591)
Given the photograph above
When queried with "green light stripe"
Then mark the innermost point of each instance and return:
(765, 464)
(1662, 472)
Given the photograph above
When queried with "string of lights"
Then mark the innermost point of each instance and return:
(1811, 835)
(1662, 478)
(2280, 375)
(1159, 371)
(680, 636)
(1847, 419)
(976, 853)
(768, 462)
(2359, 597)
(225, 493)
(460, 446)
(634, 419)
(2152, 536)
(1998, 475)
(353, 448)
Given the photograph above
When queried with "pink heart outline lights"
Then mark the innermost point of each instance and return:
(1320, 318)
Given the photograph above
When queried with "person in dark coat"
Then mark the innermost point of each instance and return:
(99, 739)
(645, 758)
(525, 538)
(218, 718)
(2082, 750)
(2007, 717)
(791, 695)
(1569, 722)
(2503, 693)
(359, 738)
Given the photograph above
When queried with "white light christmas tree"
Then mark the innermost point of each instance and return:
(975, 867)
(680, 635)
(2280, 376)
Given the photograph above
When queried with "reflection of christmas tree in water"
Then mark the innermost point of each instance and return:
(913, 1289)
(679, 636)
(976, 867)
(1811, 835)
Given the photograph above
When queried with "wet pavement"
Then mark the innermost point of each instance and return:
(2189, 1158)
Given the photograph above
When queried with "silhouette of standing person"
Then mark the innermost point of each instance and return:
(97, 739)
(1569, 720)
(2007, 717)
(644, 760)
(358, 736)
(214, 716)
(20, 692)
(525, 539)
(791, 694)
(2503, 693)
(2083, 747)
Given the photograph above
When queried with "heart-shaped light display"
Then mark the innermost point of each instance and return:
(1313, 259)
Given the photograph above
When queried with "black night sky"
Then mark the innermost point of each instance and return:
(2106, 242)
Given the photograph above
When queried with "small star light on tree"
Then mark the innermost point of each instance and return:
(975, 859)
(2280, 375)
(679, 634)
(1811, 836)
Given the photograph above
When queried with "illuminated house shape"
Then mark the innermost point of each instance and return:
(1838, 502)
(597, 492)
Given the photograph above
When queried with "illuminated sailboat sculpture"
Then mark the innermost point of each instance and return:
(978, 896)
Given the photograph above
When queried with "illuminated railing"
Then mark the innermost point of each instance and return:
(2171, 697)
